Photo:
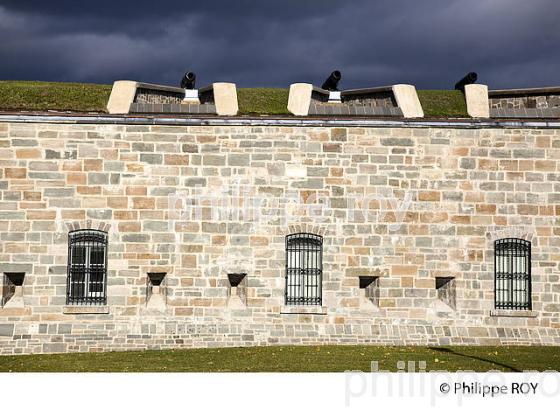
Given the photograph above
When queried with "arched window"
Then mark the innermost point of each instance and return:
(304, 269)
(87, 267)
(512, 267)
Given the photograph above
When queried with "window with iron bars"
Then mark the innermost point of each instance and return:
(87, 267)
(512, 267)
(304, 269)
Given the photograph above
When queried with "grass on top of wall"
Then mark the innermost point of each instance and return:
(443, 103)
(263, 101)
(293, 359)
(44, 96)
(78, 97)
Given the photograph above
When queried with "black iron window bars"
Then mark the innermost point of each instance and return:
(512, 267)
(304, 269)
(87, 268)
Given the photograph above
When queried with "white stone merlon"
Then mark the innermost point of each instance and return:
(225, 98)
(407, 100)
(476, 96)
(299, 98)
(122, 96)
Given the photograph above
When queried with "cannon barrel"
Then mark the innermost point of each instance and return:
(188, 80)
(331, 83)
(470, 78)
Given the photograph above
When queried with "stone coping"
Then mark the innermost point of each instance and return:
(524, 91)
(160, 87)
(365, 91)
(85, 310)
(303, 310)
(356, 91)
(513, 313)
(321, 91)
(170, 88)
(170, 120)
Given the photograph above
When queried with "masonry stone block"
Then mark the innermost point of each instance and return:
(6, 330)
(239, 160)
(154, 159)
(54, 348)
(299, 98)
(476, 96)
(407, 100)
(225, 98)
(122, 97)
(59, 192)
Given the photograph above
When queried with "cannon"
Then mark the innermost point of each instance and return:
(331, 83)
(470, 78)
(188, 80)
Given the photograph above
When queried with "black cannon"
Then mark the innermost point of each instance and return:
(188, 80)
(470, 78)
(331, 83)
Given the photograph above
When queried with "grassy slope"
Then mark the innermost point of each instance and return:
(42, 96)
(443, 103)
(292, 359)
(271, 101)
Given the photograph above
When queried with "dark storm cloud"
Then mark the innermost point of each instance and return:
(428, 43)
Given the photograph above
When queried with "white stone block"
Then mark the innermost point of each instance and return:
(299, 98)
(225, 98)
(476, 96)
(407, 100)
(122, 96)
(296, 171)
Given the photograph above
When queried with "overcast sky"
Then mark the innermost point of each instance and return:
(428, 43)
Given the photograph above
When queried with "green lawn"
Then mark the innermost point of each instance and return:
(43, 96)
(263, 101)
(443, 103)
(292, 359)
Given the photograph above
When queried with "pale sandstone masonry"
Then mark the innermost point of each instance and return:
(450, 194)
